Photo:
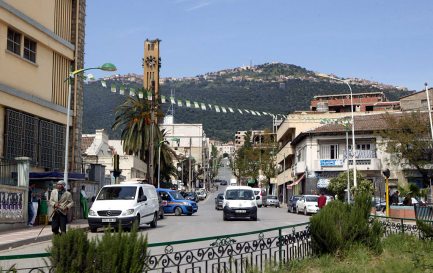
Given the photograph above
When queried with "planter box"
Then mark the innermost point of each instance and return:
(402, 212)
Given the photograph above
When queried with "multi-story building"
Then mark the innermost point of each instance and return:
(362, 102)
(325, 152)
(40, 42)
(240, 137)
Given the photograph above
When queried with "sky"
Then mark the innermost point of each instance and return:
(389, 41)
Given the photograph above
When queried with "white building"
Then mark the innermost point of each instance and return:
(98, 149)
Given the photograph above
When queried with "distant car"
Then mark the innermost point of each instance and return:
(191, 196)
(258, 193)
(291, 206)
(219, 200)
(271, 200)
(201, 194)
(307, 204)
(223, 183)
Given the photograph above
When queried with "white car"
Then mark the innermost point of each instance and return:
(307, 204)
(124, 204)
(239, 202)
(258, 193)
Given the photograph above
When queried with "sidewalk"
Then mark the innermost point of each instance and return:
(24, 236)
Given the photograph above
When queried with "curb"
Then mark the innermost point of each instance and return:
(31, 241)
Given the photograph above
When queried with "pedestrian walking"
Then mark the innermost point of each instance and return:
(321, 201)
(61, 201)
(394, 198)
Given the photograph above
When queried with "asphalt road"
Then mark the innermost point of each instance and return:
(206, 222)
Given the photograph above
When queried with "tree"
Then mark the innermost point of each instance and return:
(133, 117)
(407, 139)
(338, 185)
(268, 152)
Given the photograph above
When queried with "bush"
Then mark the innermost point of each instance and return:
(114, 252)
(426, 229)
(338, 226)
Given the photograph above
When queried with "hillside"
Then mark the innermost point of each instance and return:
(277, 88)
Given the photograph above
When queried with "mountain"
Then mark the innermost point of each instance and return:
(273, 87)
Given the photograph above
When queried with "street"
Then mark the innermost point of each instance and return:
(205, 223)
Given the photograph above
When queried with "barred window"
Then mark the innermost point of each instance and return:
(29, 49)
(14, 41)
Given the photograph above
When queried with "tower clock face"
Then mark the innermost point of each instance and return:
(150, 61)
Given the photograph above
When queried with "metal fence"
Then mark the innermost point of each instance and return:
(8, 173)
(235, 253)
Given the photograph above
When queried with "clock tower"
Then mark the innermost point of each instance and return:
(151, 64)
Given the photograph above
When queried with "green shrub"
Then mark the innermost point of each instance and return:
(116, 252)
(426, 229)
(338, 226)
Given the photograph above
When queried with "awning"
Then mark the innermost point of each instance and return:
(296, 182)
(56, 176)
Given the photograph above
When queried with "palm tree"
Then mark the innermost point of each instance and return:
(133, 117)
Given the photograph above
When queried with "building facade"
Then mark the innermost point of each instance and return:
(417, 101)
(40, 43)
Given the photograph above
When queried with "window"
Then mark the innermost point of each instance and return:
(29, 50)
(329, 151)
(14, 41)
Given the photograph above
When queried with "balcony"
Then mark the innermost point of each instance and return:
(362, 164)
(284, 177)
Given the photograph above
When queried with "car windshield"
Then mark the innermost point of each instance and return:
(220, 196)
(176, 195)
(239, 194)
(117, 193)
(272, 197)
(311, 198)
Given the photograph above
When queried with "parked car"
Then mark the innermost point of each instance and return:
(271, 200)
(176, 203)
(239, 202)
(124, 204)
(201, 194)
(219, 200)
(291, 206)
(223, 183)
(307, 204)
(191, 196)
(258, 193)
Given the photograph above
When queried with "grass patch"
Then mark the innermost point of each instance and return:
(401, 253)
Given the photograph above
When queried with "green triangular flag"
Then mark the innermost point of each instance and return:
(179, 103)
(240, 111)
(246, 111)
(131, 92)
(231, 110)
(113, 88)
(172, 100)
(162, 99)
(122, 90)
(104, 84)
(217, 109)
(188, 103)
(196, 104)
(203, 106)
(224, 110)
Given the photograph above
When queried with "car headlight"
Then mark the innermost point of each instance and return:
(186, 204)
(253, 203)
(128, 212)
(92, 213)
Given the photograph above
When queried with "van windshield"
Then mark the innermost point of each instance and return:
(117, 193)
(239, 194)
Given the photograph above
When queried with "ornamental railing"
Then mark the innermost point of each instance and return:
(239, 252)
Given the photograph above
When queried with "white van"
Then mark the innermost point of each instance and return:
(239, 202)
(124, 204)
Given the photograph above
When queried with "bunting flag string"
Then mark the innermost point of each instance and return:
(188, 103)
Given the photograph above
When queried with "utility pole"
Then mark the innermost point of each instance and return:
(189, 166)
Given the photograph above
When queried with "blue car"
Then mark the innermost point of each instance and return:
(174, 202)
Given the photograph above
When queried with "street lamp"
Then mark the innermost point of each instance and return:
(353, 123)
(104, 67)
(159, 160)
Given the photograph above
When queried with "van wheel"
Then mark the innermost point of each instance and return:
(178, 211)
(161, 214)
(136, 221)
(154, 222)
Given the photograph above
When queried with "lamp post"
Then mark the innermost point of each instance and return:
(431, 125)
(353, 123)
(159, 160)
(104, 67)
